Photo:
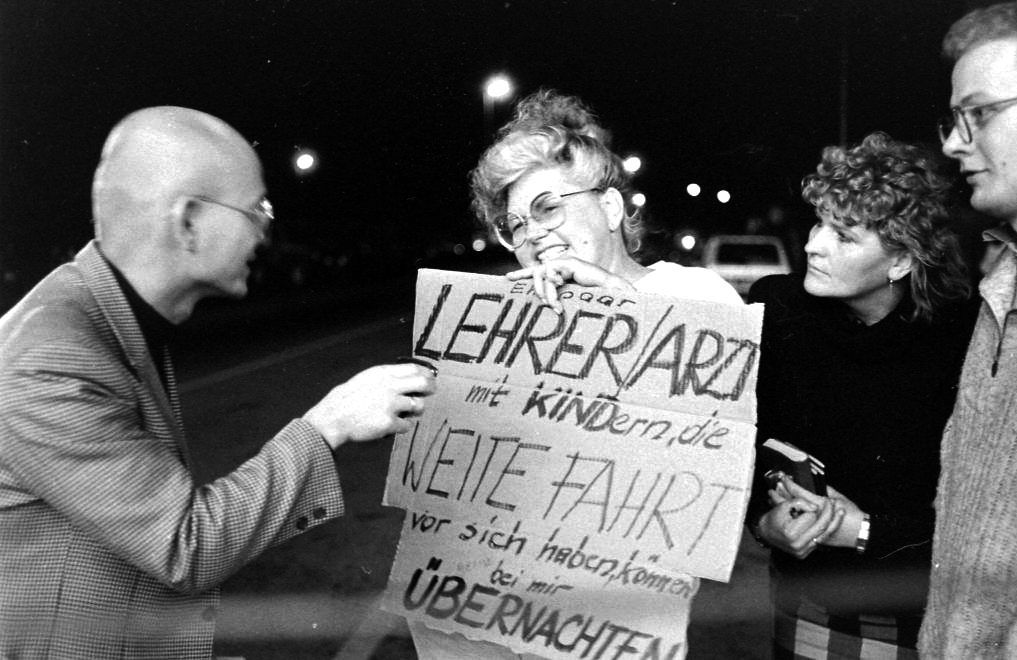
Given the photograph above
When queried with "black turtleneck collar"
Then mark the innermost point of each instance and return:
(155, 328)
(877, 342)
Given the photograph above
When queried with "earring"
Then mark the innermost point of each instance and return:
(891, 280)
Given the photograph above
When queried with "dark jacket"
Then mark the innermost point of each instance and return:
(870, 402)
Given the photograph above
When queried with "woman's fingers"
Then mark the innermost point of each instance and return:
(551, 291)
(818, 530)
(794, 490)
(521, 274)
(537, 273)
(547, 277)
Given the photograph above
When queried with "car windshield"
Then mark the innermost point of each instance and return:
(748, 253)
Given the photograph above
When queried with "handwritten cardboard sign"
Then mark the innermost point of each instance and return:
(576, 473)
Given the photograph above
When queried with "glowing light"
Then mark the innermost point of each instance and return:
(723, 196)
(305, 161)
(688, 242)
(693, 189)
(479, 244)
(638, 199)
(632, 164)
(498, 87)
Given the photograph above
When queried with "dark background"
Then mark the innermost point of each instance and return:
(735, 94)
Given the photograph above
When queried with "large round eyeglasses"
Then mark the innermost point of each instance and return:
(546, 212)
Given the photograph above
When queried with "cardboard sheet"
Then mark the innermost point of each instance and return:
(575, 474)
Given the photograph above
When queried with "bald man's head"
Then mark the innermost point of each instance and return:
(152, 158)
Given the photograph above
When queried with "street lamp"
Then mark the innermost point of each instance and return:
(632, 164)
(305, 161)
(497, 88)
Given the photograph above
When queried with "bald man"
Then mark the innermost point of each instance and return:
(107, 547)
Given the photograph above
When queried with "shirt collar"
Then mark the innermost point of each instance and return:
(1003, 233)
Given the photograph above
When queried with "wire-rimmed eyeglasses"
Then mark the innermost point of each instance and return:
(261, 215)
(545, 212)
(972, 117)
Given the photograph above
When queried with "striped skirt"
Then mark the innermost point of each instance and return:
(805, 630)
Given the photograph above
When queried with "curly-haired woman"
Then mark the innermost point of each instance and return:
(859, 367)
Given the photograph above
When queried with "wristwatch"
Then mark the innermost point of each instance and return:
(863, 535)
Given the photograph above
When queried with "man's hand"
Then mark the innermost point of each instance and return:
(547, 277)
(374, 403)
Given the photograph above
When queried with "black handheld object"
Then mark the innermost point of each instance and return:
(777, 458)
(423, 363)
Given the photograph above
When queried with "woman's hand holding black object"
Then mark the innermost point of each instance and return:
(800, 520)
(548, 276)
(846, 535)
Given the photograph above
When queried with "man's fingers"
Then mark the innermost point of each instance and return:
(417, 384)
(407, 369)
(409, 406)
(401, 425)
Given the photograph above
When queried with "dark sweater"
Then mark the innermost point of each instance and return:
(870, 402)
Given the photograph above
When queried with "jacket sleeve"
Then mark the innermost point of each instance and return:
(72, 435)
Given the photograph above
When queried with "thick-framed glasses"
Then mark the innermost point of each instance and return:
(261, 216)
(967, 119)
(546, 212)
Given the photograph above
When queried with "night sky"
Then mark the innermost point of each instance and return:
(388, 92)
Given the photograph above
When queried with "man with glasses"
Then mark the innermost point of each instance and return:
(107, 547)
(972, 608)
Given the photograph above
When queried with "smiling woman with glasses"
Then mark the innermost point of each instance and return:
(554, 194)
(545, 213)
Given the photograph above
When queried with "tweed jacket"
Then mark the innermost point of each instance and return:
(108, 549)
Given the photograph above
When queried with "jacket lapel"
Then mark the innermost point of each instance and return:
(120, 319)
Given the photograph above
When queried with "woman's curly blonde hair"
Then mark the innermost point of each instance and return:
(551, 130)
(901, 192)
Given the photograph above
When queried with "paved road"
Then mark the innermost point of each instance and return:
(316, 596)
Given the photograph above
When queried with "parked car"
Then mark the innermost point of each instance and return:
(741, 259)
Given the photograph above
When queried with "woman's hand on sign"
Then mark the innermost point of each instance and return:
(800, 520)
(548, 276)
